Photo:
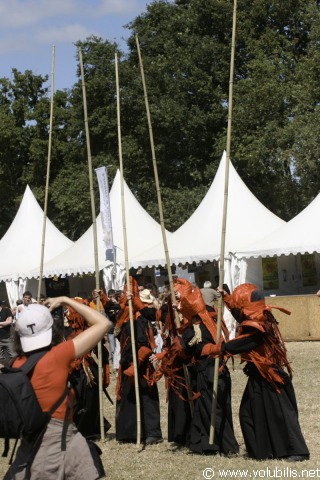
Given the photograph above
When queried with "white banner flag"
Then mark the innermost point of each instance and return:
(105, 212)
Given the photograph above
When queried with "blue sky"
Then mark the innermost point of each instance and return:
(29, 29)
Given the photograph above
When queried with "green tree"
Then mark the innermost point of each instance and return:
(70, 187)
(186, 48)
(23, 133)
(272, 44)
(304, 126)
(186, 53)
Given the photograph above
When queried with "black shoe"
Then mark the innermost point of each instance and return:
(297, 458)
(153, 440)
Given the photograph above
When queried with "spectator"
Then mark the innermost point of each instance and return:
(6, 319)
(42, 298)
(209, 294)
(111, 308)
(53, 460)
(26, 301)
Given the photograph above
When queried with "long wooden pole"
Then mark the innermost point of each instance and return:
(95, 242)
(133, 341)
(47, 179)
(163, 230)
(223, 230)
(155, 169)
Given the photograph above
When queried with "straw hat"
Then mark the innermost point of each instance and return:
(145, 296)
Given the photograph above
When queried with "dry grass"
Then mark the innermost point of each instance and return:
(163, 461)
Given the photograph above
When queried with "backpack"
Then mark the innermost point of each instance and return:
(20, 411)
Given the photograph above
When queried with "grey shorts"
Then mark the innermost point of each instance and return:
(51, 462)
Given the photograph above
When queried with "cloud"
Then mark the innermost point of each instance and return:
(119, 7)
(27, 13)
(64, 34)
(26, 24)
(25, 43)
(29, 28)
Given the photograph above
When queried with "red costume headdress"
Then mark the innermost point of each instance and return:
(191, 304)
(256, 315)
(78, 325)
(123, 315)
(250, 302)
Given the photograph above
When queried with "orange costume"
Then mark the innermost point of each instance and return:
(268, 411)
(85, 376)
(197, 334)
(126, 424)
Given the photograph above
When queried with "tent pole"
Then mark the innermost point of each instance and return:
(95, 243)
(223, 229)
(47, 178)
(125, 241)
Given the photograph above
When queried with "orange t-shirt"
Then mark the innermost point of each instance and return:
(49, 377)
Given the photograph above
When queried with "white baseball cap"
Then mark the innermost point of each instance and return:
(34, 327)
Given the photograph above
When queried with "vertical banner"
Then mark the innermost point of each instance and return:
(105, 212)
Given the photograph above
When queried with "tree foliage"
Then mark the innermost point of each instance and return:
(185, 47)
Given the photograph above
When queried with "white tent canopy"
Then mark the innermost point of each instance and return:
(299, 235)
(20, 247)
(292, 245)
(141, 229)
(199, 238)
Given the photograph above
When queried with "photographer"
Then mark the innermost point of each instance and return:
(63, 451)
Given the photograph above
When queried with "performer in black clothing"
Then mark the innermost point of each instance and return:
(126, 417)
(198, 330)
(268, 411)
(179, 412)
(174, 363)
(198, 438)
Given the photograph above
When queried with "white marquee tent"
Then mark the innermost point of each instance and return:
(299, 236)
(20, 247)
(141, 229)
(198, 239)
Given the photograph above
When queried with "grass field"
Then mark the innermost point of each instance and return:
(164, 461)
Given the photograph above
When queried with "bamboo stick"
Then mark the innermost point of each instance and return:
(47, 179)
(163, 230)
(155, 169)
(133, 342)
(95, 242)
(223, 229)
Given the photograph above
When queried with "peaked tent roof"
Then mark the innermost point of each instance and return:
(199, 238)
(20, 247)
(141, 229)
(299, 235)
